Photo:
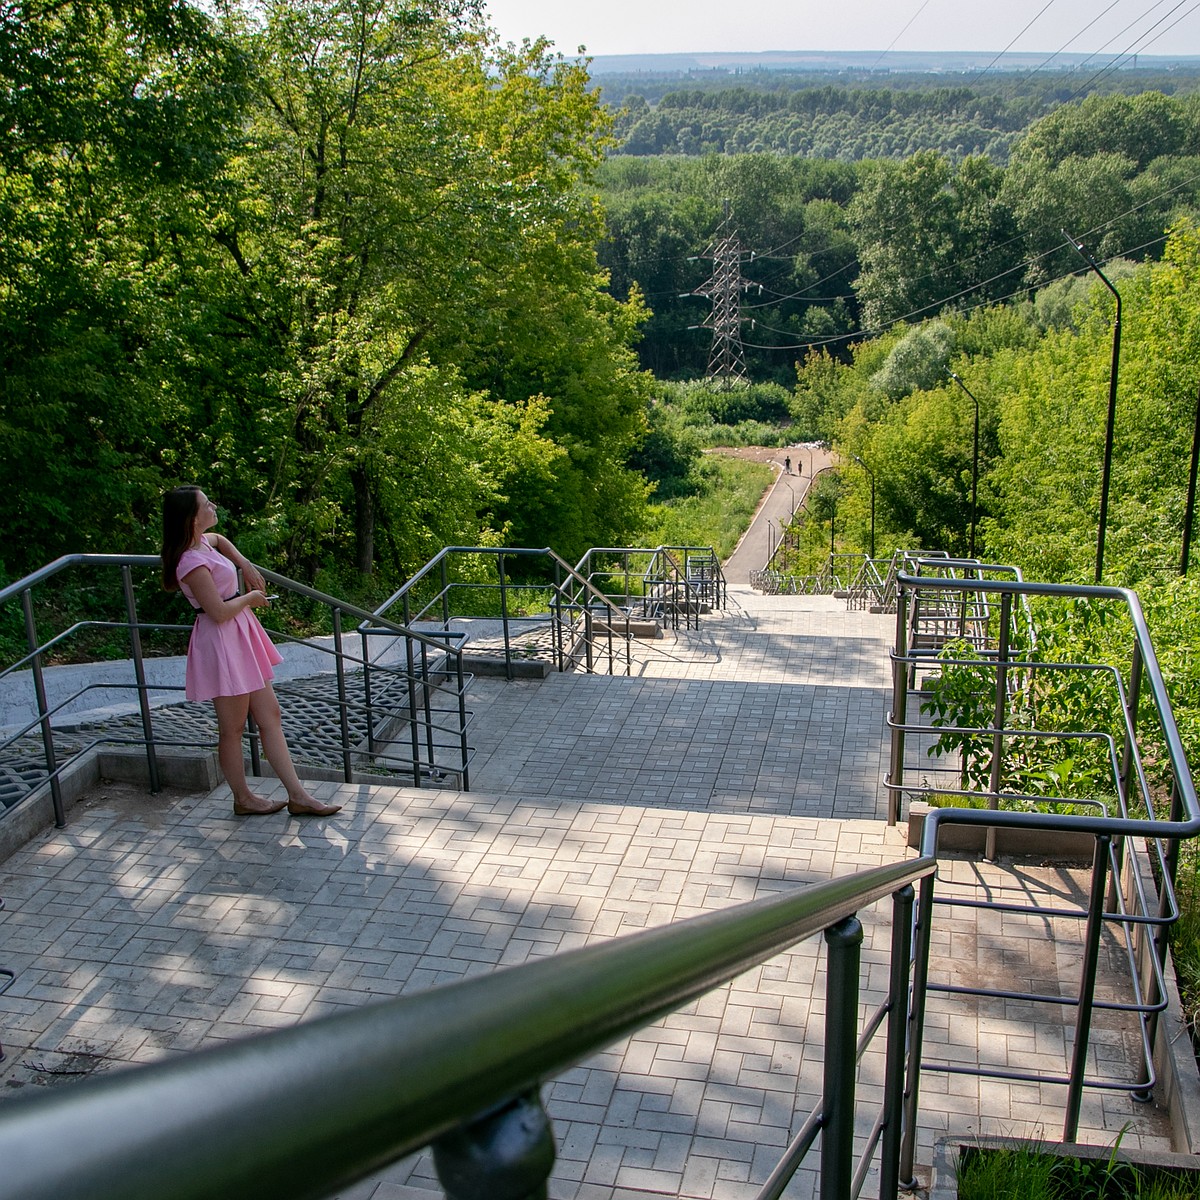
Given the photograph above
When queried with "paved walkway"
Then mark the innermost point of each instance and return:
(741, 760)
(778, 504)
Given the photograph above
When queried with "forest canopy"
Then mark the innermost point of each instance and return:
(335, 260)
(380, 283)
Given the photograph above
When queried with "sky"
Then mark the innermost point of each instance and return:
(665, 26)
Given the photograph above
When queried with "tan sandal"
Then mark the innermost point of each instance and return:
(270, 806)
(316, 809)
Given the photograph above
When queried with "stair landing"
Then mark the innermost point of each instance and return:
(148, 930)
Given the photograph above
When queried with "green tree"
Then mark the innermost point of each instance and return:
(111, 114)
(902, 220)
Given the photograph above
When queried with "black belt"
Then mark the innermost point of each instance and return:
(224, 600)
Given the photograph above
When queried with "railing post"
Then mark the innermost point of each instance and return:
(43, 707)
(464, 748)
(1000, 713)
(368, 693)
(916, 1030)
(895, 775)
(255, 755)
(1133, 698)
(414, 734)
(339, 661)
(508, 663)
(427, 692)
(1087, 987)
(1160, 939)
(844, 942)
(559, 655)
(505, 1155)
(893, 1072)
(139, 673)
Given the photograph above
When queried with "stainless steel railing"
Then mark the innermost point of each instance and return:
(1120, 810)
(660, 583)
(586, 628)
(460, 1067)
(424, 699)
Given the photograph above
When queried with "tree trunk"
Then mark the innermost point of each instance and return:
(364, 520)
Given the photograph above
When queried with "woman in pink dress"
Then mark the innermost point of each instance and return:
(230, 659)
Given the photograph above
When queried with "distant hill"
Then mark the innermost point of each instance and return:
(855, 105)
(952, 62)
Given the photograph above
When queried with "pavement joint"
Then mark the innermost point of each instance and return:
(747, 760)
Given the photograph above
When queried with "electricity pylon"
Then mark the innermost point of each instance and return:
(726, 360)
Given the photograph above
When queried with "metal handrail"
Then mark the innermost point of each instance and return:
(670, 581)
(335, 1099)
(420, 691)
(572, 606)
(1141, 922)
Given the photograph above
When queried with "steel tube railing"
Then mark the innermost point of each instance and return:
(46, 712)
(139, 671)
(337, 1098)
(1109, 830)
(39, 685)
(844, 942)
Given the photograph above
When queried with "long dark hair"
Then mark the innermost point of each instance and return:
(180, 506)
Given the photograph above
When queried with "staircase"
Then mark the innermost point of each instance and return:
(736, 760)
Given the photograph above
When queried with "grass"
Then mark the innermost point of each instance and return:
(719, 513)
(1031, 1173)
(1185, 934)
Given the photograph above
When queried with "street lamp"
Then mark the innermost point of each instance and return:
(793, 492)
(1112, 403)
(974, 464)
(871, 475)
(1191, 496)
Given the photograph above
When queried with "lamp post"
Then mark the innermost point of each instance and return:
(792, 490)
(871, 476)
(812, 479)
(1112, 403)
(1191, 496)
(974, 464)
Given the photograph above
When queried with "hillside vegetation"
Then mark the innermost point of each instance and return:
(835, 251)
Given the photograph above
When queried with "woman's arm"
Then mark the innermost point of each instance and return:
(200, 581)
(250, 573)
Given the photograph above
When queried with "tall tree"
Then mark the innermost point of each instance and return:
(407, 187)
(110, 112)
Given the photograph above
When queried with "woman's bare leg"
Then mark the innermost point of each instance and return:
(264, 707)
(231, 721)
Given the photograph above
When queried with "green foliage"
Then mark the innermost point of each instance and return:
(917, 361)
(822, 122)
(660, 216)
(717, 513)
(985, 1173)
(333, 260)
(670, 454)
(959, 699)
(1042, 697)
(740, 414)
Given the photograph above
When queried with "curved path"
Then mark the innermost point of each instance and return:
(782, 499)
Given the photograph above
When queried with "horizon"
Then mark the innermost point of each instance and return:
(619, 28)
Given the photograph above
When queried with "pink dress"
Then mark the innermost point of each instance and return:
(225, 658)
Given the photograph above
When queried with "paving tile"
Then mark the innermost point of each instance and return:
(747, 760)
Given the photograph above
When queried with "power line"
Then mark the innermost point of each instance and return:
(1028, 25)
(898, 36)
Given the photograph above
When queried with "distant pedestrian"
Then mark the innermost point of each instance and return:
(787, 464)
(230, 658)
